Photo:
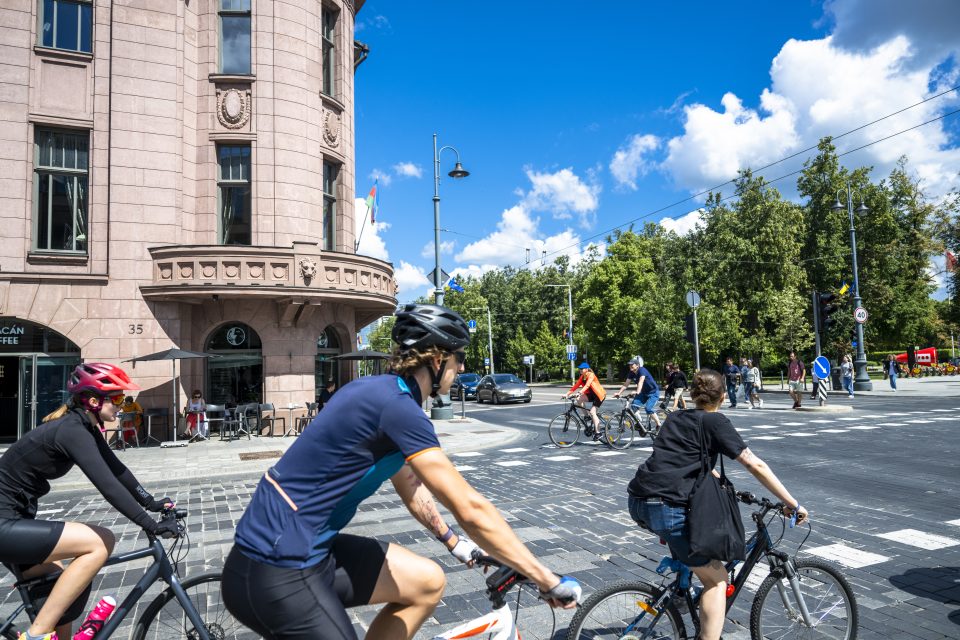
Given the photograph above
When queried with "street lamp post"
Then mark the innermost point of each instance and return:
(458, 172)
(573, 377)
(489, 335)
(861, 380)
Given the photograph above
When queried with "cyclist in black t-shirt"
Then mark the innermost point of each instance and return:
(659, 492)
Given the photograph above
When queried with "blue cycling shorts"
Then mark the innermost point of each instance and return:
(647, 400)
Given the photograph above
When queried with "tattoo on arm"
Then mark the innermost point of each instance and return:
(429, 515)
(747, 458)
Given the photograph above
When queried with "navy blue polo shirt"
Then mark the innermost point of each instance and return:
(649, 384)
(362, 437)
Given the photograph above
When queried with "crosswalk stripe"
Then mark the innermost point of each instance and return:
(793, 424)
(766, 438)
(801, 434)
(466, 467)
(534, 423)
(919, 539)
(512, 463)
(821, 421)
(608, 453)
(468, 454)
(864, 427)
(514, 450)
(764, 426)
(852, 419)
(561, 458)
(955, 523)
(833, 430)
(847, 556)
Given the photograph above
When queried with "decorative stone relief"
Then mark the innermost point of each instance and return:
(308, 269)
(279, 271)
(166, 271)
(208, 269)
(186, 270)
(233, 107)
(231, 270)
(256, 270)
(332, 274)
(332, 123)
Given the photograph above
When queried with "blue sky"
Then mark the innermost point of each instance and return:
(574, 118)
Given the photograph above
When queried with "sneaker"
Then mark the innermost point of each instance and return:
(50, 636)
(850, 396)
(761, 403)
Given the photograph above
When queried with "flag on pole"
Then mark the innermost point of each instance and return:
(951, 260)
(453, 284)
(373, 202)
(359, 341)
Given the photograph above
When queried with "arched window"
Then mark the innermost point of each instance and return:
(235, 376)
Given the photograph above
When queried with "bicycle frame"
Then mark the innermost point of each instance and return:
(160, 569)
(498, 623)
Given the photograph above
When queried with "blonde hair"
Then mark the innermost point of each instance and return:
(58, 413)
(406, 362)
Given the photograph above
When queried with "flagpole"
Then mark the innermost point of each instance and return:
(376, 184)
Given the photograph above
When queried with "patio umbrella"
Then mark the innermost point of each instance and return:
(172, 354)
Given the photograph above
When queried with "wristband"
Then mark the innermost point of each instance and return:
(445, 537)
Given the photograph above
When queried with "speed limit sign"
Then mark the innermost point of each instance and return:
(860, 315)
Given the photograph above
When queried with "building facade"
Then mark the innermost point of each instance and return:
(179, 173)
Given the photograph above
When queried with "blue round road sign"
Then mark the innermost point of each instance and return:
(821, 367)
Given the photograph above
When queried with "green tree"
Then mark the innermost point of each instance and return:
(380, 337)
(548, 350)
(517, 347)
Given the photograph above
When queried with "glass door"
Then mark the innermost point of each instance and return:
(28, 396)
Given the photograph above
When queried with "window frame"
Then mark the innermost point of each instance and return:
(248, 13)
(56, 4)
(329, 240)
(48, 171)
(329, 16)
(231, 182)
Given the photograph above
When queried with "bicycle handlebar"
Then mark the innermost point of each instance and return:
(766, 505)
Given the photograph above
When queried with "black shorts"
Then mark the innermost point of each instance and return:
(26, 542)
(589, 396)
(286, 604)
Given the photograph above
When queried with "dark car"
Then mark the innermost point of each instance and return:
(468, 382)
(503, 387)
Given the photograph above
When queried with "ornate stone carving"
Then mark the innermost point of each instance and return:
(208, 269)
(308, 269)
(233, 108)
(186, 270)
(279, 271)
(166, 272)
(332, 124)
(256, 271)
(231, 270)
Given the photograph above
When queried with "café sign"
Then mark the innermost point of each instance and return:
(11, 334)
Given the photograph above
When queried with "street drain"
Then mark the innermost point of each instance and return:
(260, 455)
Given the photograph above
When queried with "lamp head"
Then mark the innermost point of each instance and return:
(459, 172)
(837, 206)
(862, 209)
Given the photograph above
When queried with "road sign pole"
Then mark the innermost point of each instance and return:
(816, 321)
(696, 342)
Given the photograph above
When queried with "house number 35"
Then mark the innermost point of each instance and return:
(135, 328)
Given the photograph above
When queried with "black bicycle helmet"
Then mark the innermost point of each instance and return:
(419, 326)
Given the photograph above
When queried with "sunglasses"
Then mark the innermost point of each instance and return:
(116, 400)
(461, 356)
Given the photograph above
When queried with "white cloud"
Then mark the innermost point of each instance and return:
(411, 280)
(382, 177)
(629, 161)
(684, 224)
(563, 193)
(408, 170)
(371, 243)
(446, 248)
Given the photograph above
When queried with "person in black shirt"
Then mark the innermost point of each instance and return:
(326, 394)
(676, 383)
(659, 492)
(71, 435)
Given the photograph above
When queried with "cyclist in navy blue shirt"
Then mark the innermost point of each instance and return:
(646, 388)
(292, 572)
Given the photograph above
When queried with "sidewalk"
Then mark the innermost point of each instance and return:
(203, 460)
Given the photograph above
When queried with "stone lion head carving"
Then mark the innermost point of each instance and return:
(308, 269)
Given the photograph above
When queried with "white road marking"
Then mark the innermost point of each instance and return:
(864, 427)
(898, 414)
(512, 463)
(847, 556)
(894, 424)
(919, 539)
(833, 430)
(466, 467)
(870, 416)
(468, 454)
(609, 453)
(514, 450)
(821, 421)
(852, 419)
(801, 434)
(561, 458)
(955, 523)
(918, 421)
(940, 410)
(47, 512)
(764, 426)
(759, 573)
(644, 448)
(793, 424)
(766, 438)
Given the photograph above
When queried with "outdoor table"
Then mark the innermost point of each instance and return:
(290, 426)
(199, 413)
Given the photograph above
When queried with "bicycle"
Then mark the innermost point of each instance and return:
(628, 420)
(800, 598)
(194, 612)
(500, 623)
(564, 430)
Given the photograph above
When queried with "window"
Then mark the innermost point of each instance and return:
(60, 190)
(330, 173)
(67, 24)
(235, 36)
(234, 188)
(328, 17)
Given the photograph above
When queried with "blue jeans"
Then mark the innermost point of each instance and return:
(893, 381)
(668, 521)
(848, 384)
(732, 393)
(646, 400)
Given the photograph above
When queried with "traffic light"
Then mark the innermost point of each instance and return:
(689, 329)
(825, 309)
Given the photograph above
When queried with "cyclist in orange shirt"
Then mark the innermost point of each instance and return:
(590, 390)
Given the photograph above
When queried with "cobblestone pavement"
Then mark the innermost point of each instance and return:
(881, 487)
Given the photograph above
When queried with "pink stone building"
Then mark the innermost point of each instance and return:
(179, 173)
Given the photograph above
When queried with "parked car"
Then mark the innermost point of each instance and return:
(503, 387)
(468, 382)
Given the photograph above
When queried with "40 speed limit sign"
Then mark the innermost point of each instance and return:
(860, 315)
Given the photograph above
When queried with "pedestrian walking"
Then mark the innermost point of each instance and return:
(846, 374)
(795, 374)
(752, 385)
(731, 375)
(891, 369)
(743, 379)
(679, 381)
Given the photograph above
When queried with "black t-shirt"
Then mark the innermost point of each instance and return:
(675, 464)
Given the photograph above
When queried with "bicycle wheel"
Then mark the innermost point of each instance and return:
(620, 432)
(564, 430)
(165, 618)
(827, 594)
(619, 611)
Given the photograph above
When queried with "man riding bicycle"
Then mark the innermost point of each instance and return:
(588, 389)
(292, 573)
(645, 387)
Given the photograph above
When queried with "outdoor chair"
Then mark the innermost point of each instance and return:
(247, 418)
(216, 416)
(269, 419)
(302, 421)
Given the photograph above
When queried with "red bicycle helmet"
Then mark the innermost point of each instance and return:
(100, 378)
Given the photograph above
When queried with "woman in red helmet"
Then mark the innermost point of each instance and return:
(69, 436)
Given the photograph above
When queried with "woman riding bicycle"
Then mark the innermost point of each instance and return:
(588, 389)
(659, 492)
(71, 435)
(292, 573)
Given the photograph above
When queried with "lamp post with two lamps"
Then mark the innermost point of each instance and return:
(457, 173)
(861, 380)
